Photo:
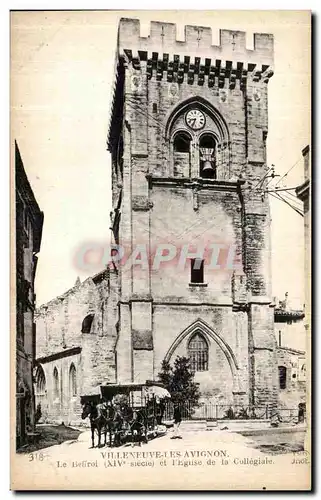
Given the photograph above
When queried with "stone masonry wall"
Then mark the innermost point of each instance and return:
(295, 390)
(61, 406)
(59, 325)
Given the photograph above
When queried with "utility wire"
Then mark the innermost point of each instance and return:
(281, 189)
(287, 193)
(279, 197)
(271, 180)
(291, 196)
(292, 206)
(291, 168)
(289, 201)
(295, 203)
(261, 180)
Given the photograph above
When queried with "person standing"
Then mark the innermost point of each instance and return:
(177, 422)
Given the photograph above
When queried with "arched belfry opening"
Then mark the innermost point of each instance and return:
(182, 143)
(182, 154)
(198, 138)
(207, 148)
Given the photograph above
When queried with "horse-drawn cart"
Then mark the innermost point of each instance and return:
(127, 412)
(90, 398)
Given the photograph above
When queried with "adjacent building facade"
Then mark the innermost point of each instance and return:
(76, 346)
(303, 193)
(289, 323)
(29, 222)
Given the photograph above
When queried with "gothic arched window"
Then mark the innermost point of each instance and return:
(40, 381)
(198, 141)
(282, 377)
(198, 353)
(86, 324)
(72, 380)
(207, 152)
(55, 383)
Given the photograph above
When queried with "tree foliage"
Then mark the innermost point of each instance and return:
(179, 381)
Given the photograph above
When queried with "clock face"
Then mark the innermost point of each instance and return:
(195, 119)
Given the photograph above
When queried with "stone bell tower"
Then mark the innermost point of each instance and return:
(187, 137)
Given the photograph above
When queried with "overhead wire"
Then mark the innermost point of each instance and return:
(291, 196)
(279, 197)
(295, 203)
(282, 189)
(286, 173)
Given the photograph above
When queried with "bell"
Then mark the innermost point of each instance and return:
(207, 167)
(208, 170)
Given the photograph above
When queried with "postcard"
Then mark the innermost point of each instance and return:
(160, 243)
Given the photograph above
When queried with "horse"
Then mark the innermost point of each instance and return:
(114, 423)
(97, 421)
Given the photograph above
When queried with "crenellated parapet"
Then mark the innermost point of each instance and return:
(196, 55)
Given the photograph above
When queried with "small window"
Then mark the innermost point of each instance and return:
(86, 324)
(282, 377)
(197, 271)
(198, 353)
(73, 381)
(154, 107)
(55, 383)
(182, 143)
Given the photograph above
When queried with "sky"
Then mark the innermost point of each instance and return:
(62, 76)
